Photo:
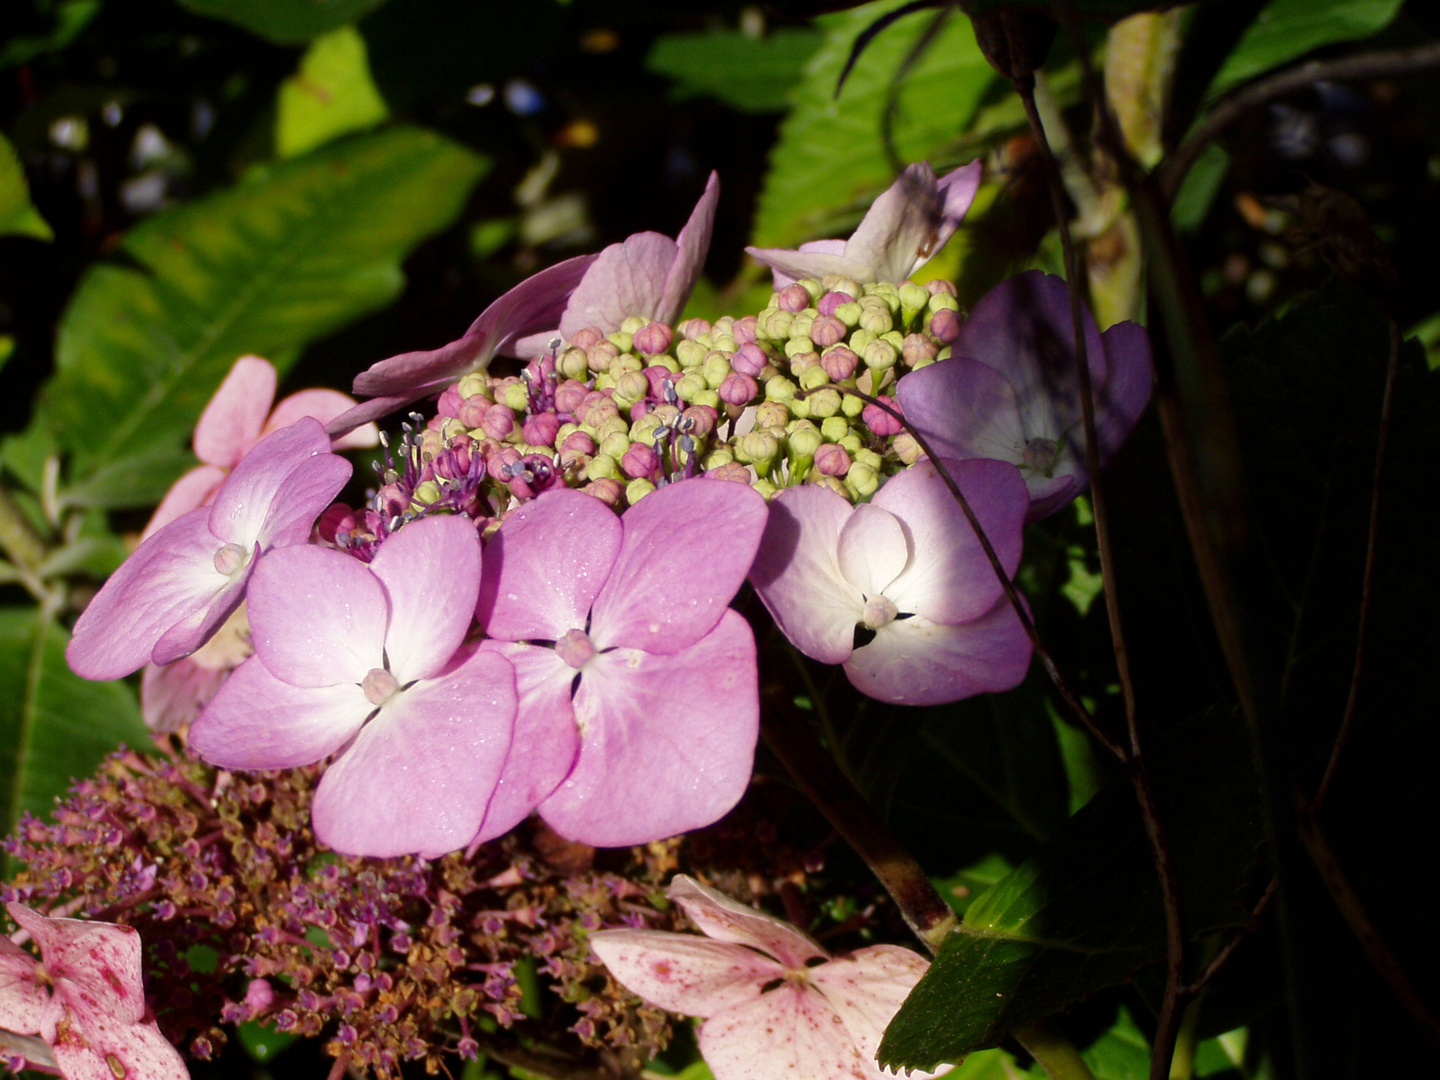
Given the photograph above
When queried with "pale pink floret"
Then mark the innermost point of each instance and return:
(905, 227)
(641, 721)
(770, 1009)
(908, 567)
(365, 661)
(237, 417)
(181, 584)
(84, 998)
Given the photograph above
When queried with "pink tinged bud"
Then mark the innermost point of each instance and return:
(659, 377)
(499, 421)
(839, 363)
(259, 996)
(691, 329)
(881, 422)
(601, 355)
(587, 337)
(940, 287)
(698, 420)
(738, 389)
(1039, 454)
(379, 686)
(743, 332)
(640, 462)
(750, 359)
(578, 442)
(732, 471)
(792, 298)
(575, 648)
(653, 338)
(919, 349)
(541, 429)
(450, 402)
(832, 460)
(473, 410)
(569, 395)
(606, 490)
(832, 300)
(879, 611)
(229, 558)
(827, 330)
(945, 325)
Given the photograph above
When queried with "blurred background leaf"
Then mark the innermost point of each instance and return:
(331, 95)
(17, 215)
(750, 73)
(285, 22)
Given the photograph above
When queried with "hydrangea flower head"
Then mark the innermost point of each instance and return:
(84, 998)
(1011, 391)
(908, 568)
(774, 1002)
(908, 224)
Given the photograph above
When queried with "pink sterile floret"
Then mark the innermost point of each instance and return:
(183, 582)
(769, 1008)
(365, 661)
(84, 997)
(640, 722)
(907, 567)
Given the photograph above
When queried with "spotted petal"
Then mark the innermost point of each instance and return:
(683, 973)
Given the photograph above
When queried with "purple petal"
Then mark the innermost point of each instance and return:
(691, 247)
(965, 409)
(323, 405)
(192, 490)
(902, 228)
(231, 422)
(711, 531)
(667, 742)
(172, 696)
(419, 775)
(626, 279)
(546, 740)
(798, 577)
(725, 919)
(683, 973)
(546, 565)
(368, 411)
(917, 662)
(871, 550)
(255, 721)
(278, 490)
(949, 578)
(431, 573)
(200, 623)
(317, 616)
(867, 988)
(1126, 391)
(792, 1032)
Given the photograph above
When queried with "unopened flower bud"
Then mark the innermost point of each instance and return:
(813, 377)
(698, 420)
(840, 283)
(838, 486)
(614, 445)
(637, 490)
(690, 353)
(849, 313)
(759, 448)
(606, 489)
(716, 369)
(801, 351)
(611, 425)
(449, 403)
(640, 461)
(827, 330)
(630, 388)
(579, 442)
(780, 389)
(730, 470)
(602, 467)
(691, 329)
(832, 460)
(750, 359)
(918, 349)
(742, 331)
(803, 440)
(839, 363)
(792, 298)
(906, 448)
(913, 300)
(945, 325)
(777, 325)
(498, 421)
(599, 356)
(476, 383)
(876, 318)
(824, 402)
(473, 410)
(939, 286)
(771, 414)
(862, 479)
(834, 428)
(514, 395)
(880, 355)
(624, 364)
(587, 337)
(541, 429)
(832, 300)
(881, 422)
(573, 364)
(800, 325)
(621, 340)
(654, 338)
(690, 384)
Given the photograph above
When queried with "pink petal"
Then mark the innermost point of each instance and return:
(275, 494)
(791, 1032)
(22, 999)
(625, 279)
(199, 624)
(950, 579)
(798, 577)
(546, 740)
(711, 529)
(431, 573)
(323, 405)
(98, 1048)
(726, 919)
(341, 426)
(867, 988)
(667, 742)
(871, 549)
(903, 227)
(169, 579)
(231, 422)
(172, 696)
(317, 616)
(828, 247)
(194, 489)
(801, 265)
(419, 775)
(100, 958)
(684, 973)
(917, 662)
(964, 409)
(546, 565)
(958, 189)
(691, 247)
(255, 721)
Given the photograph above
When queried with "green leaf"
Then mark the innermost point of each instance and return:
(262, 1042)
(1122, 1053)
(54, 726)
(285, 22)
(17, 215)
(332, 95)
(69, 18)
(751, 74)
(830, 160)
(1288, 29)
(1109, 10)
(1084, 913)
(296, 251)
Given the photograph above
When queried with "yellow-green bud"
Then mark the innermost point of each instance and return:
(689, 353)
(879, 355)
(633, 323)
(780, 389)
(706, 397)
(604, 381)
(804, 439)
(837, 486)
(813, 377)
(800, 325)
(566, 430)
(895, 338)
(852, 443)
(834, 428)
(716, 368)
(602, 467)
(913, 300)
(814, 288)
(723, 342)
(859, 339)
(614, 445)
(477, 382)
(427, 493)
(906, 448)
(759, 448)
(690, 384)
(637, 490)
(824, 402)
(621, 340)
(721, 455)
(765, 488)
(573, 364)
(877, 320)
(611, 425)
(851, 406)
(799, 408)
(799, 347)
(643, 430)
(943, 300)
(771, 414)
(623, 365)
(867, 457)
(630, 388)
(516, 396)
(849, 313)
(777, 326)
(862, 480)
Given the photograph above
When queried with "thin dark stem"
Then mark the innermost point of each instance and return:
(1193, 988)
(1368, 581)
(1171, 172)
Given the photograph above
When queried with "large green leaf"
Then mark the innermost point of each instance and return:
(288, 22)
(830, 159)
(331, 95)
(294, 252)
(54, 725)
(1084, 913)
(751, 74)
(17, 215)
(1288, 29)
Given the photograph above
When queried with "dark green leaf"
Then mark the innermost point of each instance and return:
(54, 726)
(1288, 29)
(1085, 913)
(751, 74)
(286, 22)
(1122, 1053)
(17, 215)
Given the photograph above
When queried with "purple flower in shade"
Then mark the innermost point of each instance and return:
(906, 226)
(648, 275)
(184, 581)
(399, 380)
(908, 567)
(84, 998)
(640, 720)
(1011, 391)
(366, 662)
(774, 1002)
(237, 417)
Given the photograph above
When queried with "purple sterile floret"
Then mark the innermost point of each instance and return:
(641, 721)
(366, 661)
(1012, 390)
(181, 583)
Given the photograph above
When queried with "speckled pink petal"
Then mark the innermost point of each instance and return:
(101, 958)
(22, 999)
(323, 405)
(798, 577)
(867, 988)
(98, 1048)
(667, 743)
(871, 550)
(231, 422)
(431, 573)
(726, 919)
(684, 973)
(545, 566)
(193, 490)
(791, 1032)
